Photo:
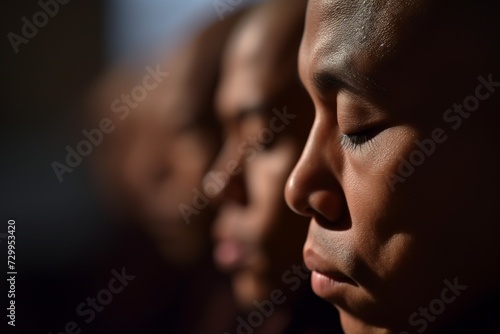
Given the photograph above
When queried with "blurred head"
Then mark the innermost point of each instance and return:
(265, 114)
(163, 147)
(397, 176)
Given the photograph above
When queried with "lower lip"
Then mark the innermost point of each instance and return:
(325, 286)
(227, 254)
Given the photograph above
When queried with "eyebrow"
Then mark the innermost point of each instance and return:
(246, 113)
(326, 80)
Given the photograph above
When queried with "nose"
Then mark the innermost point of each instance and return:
(226, 178)
(313, 188)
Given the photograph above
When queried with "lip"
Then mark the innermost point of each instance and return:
(326, 280)
(228, 254)
(327, 286)
(229, 250)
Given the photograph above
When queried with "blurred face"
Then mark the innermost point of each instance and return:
(381, 248)
(263, 140)
(173, 147)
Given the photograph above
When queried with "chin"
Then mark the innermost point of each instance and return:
(248, 287)
(353, 325)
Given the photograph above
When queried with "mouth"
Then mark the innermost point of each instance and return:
(229, 254)
(327, 281)
(328, 286)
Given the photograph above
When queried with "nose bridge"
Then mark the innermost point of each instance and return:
(311, 175)
(225, 174)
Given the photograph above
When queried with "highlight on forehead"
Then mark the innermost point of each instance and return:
(365, 20)
(269, 31)
(362, 13)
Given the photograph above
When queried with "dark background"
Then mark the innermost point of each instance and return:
(63, 242)
(67, 244)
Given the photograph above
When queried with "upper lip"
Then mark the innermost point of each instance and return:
(315, 262)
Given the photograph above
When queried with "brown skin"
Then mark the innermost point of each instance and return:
(162, 150)
(388, 71)
(260, 74)
(177, 139)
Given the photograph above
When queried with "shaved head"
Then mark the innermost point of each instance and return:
(385, 76)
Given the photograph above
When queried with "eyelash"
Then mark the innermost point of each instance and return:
(356, 140)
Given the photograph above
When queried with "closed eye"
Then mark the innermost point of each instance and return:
(356, 140)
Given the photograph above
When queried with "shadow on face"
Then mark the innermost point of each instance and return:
(405, 97)
(163, 143)
(265, 115)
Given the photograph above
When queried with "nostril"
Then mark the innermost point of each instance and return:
(310, 212)
(321, 220)
(326, 206)
(300, 208)
(341, 224)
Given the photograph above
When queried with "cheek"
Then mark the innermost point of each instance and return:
(377, 221)
(137, 168)
(190, 158)
(265, 177)
(366, 176)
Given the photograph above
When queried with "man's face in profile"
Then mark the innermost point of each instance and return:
(382, 75)
(259, 81)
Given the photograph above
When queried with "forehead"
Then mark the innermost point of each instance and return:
(260, 60)
(358, 36)
(251, 82)
(366, 22)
